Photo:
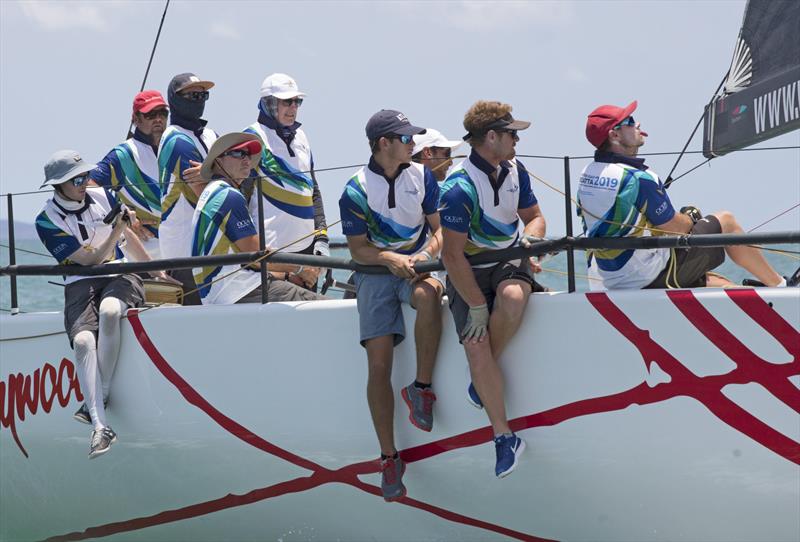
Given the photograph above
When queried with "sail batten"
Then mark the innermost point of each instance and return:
(761, 97)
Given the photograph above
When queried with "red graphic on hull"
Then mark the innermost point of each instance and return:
(706, 390)
(27, 392)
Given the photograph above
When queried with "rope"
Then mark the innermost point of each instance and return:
(17, 249)
(795, 206)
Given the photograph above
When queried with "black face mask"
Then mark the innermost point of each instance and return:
(185, 108)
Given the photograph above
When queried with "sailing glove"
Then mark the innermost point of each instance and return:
(321, 248)
(477, 323)
(693, 213)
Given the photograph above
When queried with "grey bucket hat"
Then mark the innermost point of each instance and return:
(63, 166)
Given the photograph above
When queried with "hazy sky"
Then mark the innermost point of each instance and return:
(71, 69)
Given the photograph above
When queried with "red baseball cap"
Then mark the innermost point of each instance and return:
(147, 100)
(603, 119)
(252, 147)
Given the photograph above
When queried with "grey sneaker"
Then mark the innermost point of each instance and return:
(392, 479)
(420, 404)
(102, 439)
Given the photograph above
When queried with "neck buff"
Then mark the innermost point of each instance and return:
(267, 110)
(185, 109)
(68, 205)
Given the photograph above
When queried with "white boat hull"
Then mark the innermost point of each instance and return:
(649, 415)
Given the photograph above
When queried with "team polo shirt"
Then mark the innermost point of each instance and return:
(288, 189)
(619, 196)
(131, 170)
(63, 232)
(220, 219)
(487, 212)
(178, 146)
(391, 212)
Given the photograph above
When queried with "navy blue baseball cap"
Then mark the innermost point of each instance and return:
(390, 122)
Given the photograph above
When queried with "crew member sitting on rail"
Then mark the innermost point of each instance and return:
(78, 227)
(389, 216)
(482, 202)
(183, 147)
(294, 217)
(619, 196)
(222, 225)
(434, 151)
(131, 168)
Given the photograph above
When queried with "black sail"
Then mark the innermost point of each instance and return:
(761, 97)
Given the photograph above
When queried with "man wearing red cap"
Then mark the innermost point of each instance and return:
(131, 168)
(619, 196)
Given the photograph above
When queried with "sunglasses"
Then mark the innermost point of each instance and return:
(238, 153)
(404, 139)
(444, 152)
(513, 133)
(627, 122)
(196, 96)
(80, 180)
(150, 115)
(296, 101)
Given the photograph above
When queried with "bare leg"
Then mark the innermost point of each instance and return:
(748, 257)
(509, 306)
(111, 310)
(427, 300)
(89, 377)
(488, 381)
(380, 394)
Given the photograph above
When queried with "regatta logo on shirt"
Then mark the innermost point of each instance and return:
(662, 208)
(514, 188)
(412, 191)
(454, 219)
(608, 183)
(242, 224)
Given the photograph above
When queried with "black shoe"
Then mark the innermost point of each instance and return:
(82, 415)
(794, 280)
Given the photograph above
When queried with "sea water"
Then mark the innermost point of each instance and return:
(36, 294)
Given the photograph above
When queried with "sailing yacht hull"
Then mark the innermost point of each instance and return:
(649, 415)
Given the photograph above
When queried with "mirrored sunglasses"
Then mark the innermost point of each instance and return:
(404, 139)
(627, 122)
(196, 96)
(238, 153)
(79, 180)
(150, 115)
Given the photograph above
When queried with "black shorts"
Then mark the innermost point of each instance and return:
(82, 300)
(687, 267)
(488, 279)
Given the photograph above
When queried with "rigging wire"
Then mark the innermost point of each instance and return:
(670, 180)
(152, 54)
(544, 157)
(795, 206)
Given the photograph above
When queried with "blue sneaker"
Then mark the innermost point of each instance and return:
(508, 451)
(473, 397)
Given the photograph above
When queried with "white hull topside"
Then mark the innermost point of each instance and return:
(649, 415)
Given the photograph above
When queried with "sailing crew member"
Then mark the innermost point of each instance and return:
(294, 217)
(620, 196)
(389, 216)
(131, 168)
(183, 147)
(483, 201)
(221, 224)
(434, 151)
(78, 227)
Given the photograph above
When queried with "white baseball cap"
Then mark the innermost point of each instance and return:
(433, 138)
(281, 86)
